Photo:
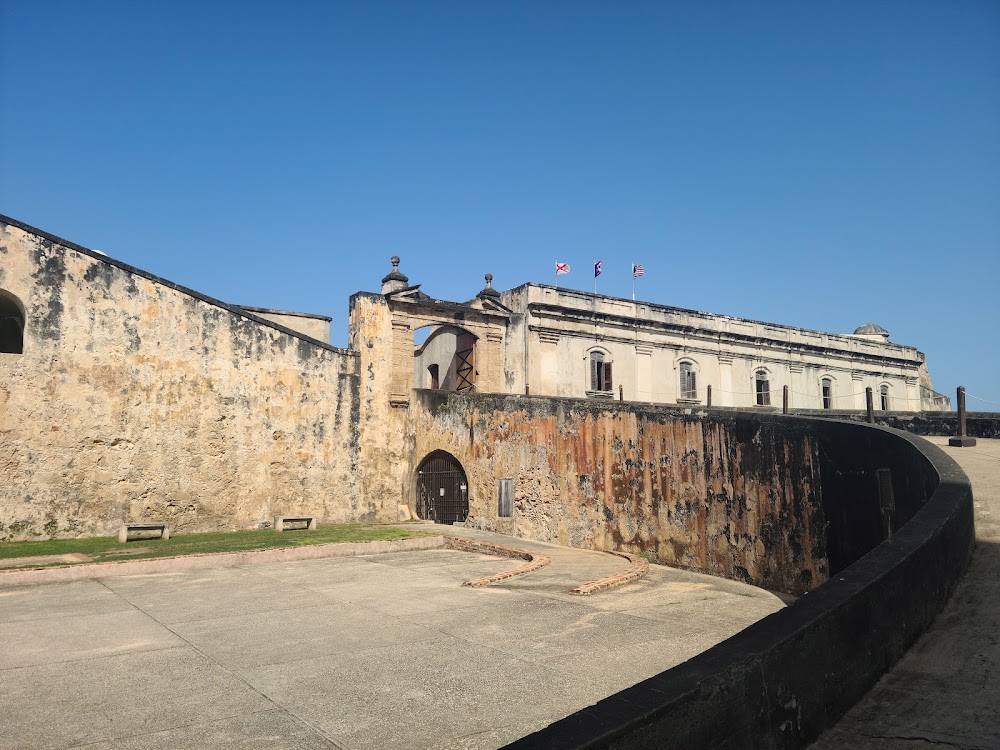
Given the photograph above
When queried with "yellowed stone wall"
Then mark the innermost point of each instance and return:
(385, 350)
(728, 495)
(138, 400)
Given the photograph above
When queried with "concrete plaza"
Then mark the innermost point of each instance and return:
(386, 651)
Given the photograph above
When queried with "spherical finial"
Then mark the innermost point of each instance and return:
(488, 290)
(394, 279)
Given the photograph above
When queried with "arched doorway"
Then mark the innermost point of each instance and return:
(442, 489)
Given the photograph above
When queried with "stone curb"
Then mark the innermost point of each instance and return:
(183, 563)
(486, 548)
(638, 568)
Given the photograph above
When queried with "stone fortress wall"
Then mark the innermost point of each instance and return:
(137, 399)
(724, 494)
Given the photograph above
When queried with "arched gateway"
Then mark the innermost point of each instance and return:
(442, 489)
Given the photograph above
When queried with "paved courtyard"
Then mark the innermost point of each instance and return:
(372, 652)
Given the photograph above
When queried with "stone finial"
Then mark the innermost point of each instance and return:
(394, 280)
(489, 291)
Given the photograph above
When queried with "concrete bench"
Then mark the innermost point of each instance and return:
(288, 523)
(131, 531)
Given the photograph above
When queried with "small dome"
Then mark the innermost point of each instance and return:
(871, 329)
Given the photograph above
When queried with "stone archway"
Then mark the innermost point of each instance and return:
(442, 489)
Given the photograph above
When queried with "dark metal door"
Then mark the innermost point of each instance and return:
(442, 490)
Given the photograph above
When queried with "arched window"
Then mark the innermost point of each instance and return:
(762, 388)
(600, 372)
(826, 391)
(11, 324)
(688, 381)
(884, 395)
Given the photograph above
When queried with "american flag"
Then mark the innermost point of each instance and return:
(597, 269)
(561, 268)
(637, 271)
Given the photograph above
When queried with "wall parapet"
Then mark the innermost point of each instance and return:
(780, 682)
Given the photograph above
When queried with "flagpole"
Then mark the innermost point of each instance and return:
(557, 274)
(633, 281)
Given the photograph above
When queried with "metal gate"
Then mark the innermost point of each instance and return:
(442, 489)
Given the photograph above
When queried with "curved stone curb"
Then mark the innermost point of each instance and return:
(486, 548)
(183, 563)
(638, 568)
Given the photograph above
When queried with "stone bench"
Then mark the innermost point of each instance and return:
(131, 531)
(289, 523)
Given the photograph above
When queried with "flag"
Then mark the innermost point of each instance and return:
(597, 269)
(561, 268)
(637, 271)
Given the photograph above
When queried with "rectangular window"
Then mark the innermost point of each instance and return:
(505, 498)
(827, 394)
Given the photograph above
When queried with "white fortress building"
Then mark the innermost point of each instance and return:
(563, 342)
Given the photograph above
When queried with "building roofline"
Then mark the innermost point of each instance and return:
(670, 308)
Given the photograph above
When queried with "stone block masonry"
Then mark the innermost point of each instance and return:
(136, 399)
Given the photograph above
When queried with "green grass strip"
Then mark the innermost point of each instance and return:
(106, 548)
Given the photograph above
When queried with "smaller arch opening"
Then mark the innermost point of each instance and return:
(883, 392)
(444, 358)
(11, 324)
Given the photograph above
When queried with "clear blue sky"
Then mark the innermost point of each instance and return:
(821, 164)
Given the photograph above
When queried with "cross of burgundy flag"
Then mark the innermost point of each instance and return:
(597, 269)
(561, 268)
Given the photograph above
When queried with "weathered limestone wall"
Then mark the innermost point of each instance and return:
(724, 494)
(384, 348)
(136, 399)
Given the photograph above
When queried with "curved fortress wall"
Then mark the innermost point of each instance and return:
(729, 495)
(134, 398)
(781, 681)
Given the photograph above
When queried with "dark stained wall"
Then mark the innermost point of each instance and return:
(725, 494)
